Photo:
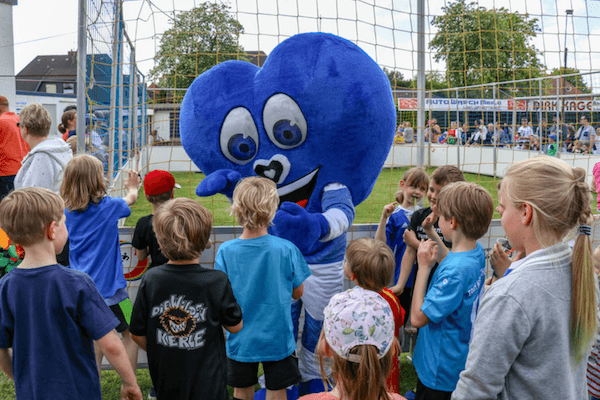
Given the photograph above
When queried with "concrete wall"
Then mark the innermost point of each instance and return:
(8, 84)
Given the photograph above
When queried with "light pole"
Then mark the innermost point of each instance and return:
(568, 12)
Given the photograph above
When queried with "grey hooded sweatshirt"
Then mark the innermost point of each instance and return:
(520, 348)
(44, 165)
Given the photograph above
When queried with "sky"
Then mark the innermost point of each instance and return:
(385, 29)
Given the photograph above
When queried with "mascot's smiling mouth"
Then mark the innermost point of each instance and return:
(300, 190)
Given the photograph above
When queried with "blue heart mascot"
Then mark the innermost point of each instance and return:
(318, 119)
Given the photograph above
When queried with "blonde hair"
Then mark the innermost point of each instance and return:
(470, 204)
(365, 380)
(415, 176)
(83, 182)
(255, 202)
(66, 117)
(182, 227)
(555, 213)
(447, 174)
(26, 213)
(372, 262)
(36, 119)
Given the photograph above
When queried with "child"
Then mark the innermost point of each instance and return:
(181, 306)
(542, 313)
(266, 272)
(369, 264)
(593, 364)
(358, 334)
(92, 219)
(49, 315)
(395, 218)
(415, 233)
(45, 163)
(159, 187)
(445, 309)
(577, 147)
(551, 149)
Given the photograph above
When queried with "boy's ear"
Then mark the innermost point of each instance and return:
(50, 231)
(401, 183)
(208, 245)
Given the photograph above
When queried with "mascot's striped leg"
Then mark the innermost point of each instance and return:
(325, 281)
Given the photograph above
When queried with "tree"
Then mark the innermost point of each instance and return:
(484, 46)
(576, 80)
(199, 39)
(396, 78)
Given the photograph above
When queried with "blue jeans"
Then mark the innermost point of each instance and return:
(592, 397)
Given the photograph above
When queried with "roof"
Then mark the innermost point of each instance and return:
(257, 58)
(59, 68)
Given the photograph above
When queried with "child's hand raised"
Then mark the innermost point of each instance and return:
(133, 180)
(427, 253)
(388, 210)
(430, 220)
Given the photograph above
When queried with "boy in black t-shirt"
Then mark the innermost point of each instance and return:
(159, 187)
(181, 308)
(415, 232)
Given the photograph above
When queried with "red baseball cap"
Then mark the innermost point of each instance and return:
(159, 182)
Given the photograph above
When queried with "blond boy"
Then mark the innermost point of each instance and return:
(266, 272)
(446, 308)
(61, 308)
(181, 306)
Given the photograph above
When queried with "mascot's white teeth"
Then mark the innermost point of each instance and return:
(297, 184)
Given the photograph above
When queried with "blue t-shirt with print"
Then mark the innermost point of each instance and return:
(450, 304)
(94, 243)
(263, 273)
(50, 316)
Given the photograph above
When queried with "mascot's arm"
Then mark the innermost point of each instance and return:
(221, 181)
(338, 210)
(304, 229)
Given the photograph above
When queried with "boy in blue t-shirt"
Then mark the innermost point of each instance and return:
(59, 307)
(266, 272)
(445, 310)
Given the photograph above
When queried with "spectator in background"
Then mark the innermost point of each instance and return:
(68, 124)
(408, 132)
(586, 132)
(481, 133)
(509, 132)
(44, 165)
(12, 148)
(524, 134)
(559, 129)
(542, 133)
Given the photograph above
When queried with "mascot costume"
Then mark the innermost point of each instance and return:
(318, 119)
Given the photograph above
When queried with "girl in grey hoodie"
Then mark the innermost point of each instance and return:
(535, 325)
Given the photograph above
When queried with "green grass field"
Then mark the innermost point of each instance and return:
(111, 383)
(369, 211)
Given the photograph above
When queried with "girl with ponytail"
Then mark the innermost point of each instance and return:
(535, 325)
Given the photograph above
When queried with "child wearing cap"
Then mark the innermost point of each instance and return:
(266, 272)
(551, 149)
(159, 187)
(370, 265)
(358, 334)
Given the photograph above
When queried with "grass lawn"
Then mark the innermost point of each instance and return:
(111, 383)
(369, 211)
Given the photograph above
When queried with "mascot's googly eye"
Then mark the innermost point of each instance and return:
(239, 136)
(284, 122)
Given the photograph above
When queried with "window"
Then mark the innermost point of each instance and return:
(68, 88)
(50, 87)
